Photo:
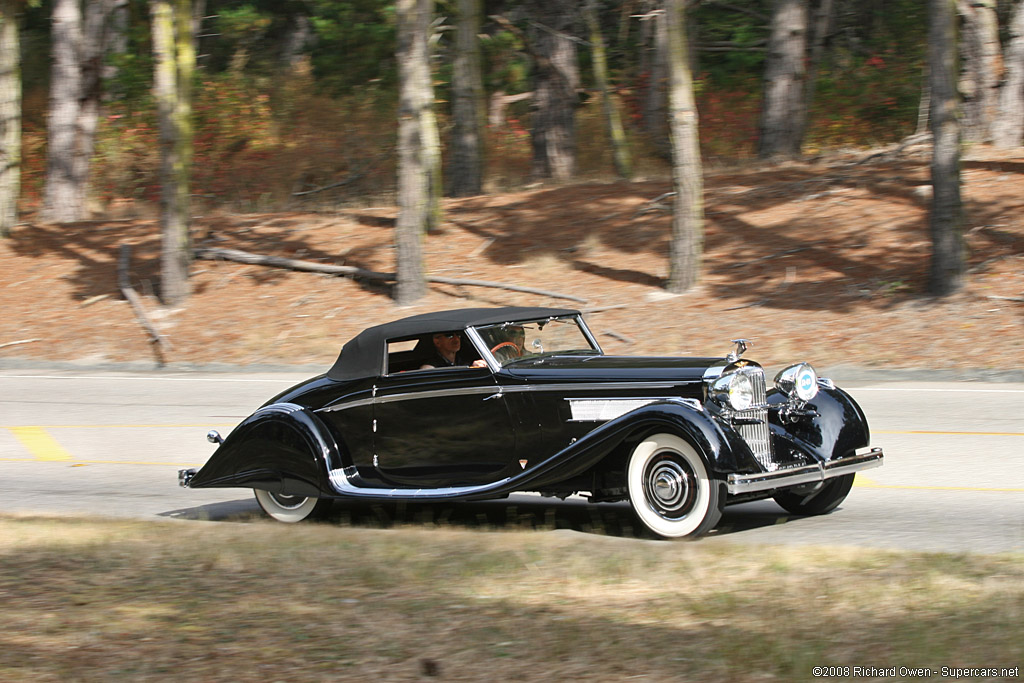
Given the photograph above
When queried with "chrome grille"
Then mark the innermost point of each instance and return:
(757, 435)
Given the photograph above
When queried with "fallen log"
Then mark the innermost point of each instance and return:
(19, 342)
(239, 256)
(131, 296)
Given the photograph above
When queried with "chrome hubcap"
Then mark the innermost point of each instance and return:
(288, 502)
(670, 486)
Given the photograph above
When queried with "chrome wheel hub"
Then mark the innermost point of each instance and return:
(288, 502)
(670, 487)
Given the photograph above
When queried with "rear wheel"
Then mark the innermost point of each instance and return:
(670, 489)
(291, 509)
(824, 500)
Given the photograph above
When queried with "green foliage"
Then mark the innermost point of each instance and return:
(507, 67)
(355, 47)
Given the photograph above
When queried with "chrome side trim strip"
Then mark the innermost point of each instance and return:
(496, 388)
(345, 406)
(808, 474)
(602, 409)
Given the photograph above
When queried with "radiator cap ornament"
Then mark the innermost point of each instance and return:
(741, 347)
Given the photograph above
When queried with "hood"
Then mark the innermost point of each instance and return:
(611, 368)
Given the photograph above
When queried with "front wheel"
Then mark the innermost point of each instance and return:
(670, 488)
(291, 509)
(824, 500)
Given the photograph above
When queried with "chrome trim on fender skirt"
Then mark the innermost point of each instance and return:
(340, 480)
(809, 474)
(185, 476)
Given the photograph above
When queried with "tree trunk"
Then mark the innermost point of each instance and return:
(466, 173)
(79, 50)
(10, 116)
(983, 68)
(174, 60)
(616, 134)
(822, 23)
(556, 80)
(687, 245)
(413, 173)
(783, 114)
(1008, 128)
(655, 59)
(61, 196)
(946, 219)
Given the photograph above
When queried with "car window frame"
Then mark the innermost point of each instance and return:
(493, 363)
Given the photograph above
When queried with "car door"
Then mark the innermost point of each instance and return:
(442, 427)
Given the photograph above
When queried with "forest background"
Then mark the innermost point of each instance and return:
(295, 112)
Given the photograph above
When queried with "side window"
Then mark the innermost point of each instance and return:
(403, 355)
(411, 354)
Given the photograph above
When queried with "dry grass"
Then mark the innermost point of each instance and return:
(97, 600)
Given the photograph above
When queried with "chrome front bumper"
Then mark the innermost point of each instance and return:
(808, 474)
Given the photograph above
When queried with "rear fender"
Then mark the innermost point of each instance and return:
(281, 447)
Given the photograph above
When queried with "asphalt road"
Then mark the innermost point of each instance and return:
(92, 443)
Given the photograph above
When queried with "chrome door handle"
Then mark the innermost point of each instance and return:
(497, 395)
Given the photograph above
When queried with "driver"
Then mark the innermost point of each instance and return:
(513, 346)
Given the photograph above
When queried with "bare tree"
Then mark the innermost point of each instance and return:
(783, 113)
(616, 134)
(10, 116)
(556, 80)
(687, 244)
(982, 68)
(947, 218)
(466, 172)
(174, 64)
(414, 179)
(823, 17)
(79, 49)
(654, 67)
(1008, 128)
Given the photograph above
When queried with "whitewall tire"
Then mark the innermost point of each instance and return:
(291, 509)
(670, 489)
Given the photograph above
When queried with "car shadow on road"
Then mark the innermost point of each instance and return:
(518, 513)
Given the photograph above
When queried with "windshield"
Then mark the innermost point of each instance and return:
(509, 342)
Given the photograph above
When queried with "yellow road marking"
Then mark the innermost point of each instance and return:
(109, 462)
(40, 444)
(204, 425)
(876, 431)
(872, 484)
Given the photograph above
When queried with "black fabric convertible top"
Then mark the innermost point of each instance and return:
(363, 355)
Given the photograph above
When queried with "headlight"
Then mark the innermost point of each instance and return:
(798, 380)
(733, 391)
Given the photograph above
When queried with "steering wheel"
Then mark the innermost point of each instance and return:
(514, 350)
(512, 345)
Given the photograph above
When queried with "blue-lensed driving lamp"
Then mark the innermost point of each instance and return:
(798, 381)
(733, 391)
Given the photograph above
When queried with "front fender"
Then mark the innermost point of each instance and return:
(282, 447)
(723, 452)
(839, 428)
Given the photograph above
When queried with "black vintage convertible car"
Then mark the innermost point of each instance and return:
(479, 403)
